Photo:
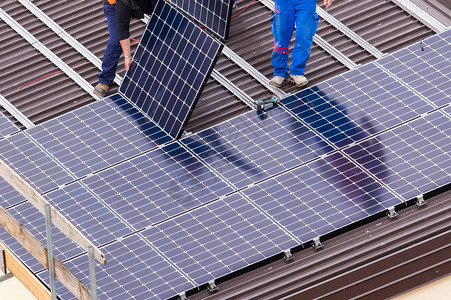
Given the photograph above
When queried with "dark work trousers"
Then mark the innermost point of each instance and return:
(113, 48)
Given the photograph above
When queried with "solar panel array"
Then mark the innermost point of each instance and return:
(6, 126)
(172, 215)
(169, 69)
(98, 135)
(213, 14)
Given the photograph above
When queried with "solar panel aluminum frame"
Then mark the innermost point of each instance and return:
(225, 35)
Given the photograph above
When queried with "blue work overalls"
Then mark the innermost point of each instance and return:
(286, 14)
(113, 49)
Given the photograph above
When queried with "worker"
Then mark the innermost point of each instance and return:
(112, 51)
(287, 13)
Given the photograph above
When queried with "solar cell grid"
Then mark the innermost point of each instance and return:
(98, 135)
(134, 271)
(322, 196)
(355, 105)
(169, 68)
(89, 215)
(157, 185)
(219, 238)
(6, 126)
(33, 220)
(414, 158)
(213, 14)
(32, 163)
(252, 147)
(8, 195)
(425, 67)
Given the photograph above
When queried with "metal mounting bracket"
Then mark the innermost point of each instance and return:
(317, 243)
(182, 296)
(287, 255)
(212, 286)
(392, 213)
(421, 201)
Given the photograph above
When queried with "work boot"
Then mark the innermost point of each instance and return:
(299, 80)
(277, 81)
(101, 89)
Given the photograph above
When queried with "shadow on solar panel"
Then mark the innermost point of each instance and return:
(170, 68)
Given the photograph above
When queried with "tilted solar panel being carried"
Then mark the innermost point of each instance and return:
(6, 126)
(356, 105)
(425, 67)
(98, 135)
(413, 159)
(213, 14)
(169, 69)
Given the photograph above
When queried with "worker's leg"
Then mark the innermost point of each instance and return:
(282, 29)
(113, 49)
(306, 25)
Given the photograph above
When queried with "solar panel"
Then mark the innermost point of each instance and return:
(213, 14)
(89, 215)
(6, 126)
(98, 135)
(169, 69)
(355, 105)
(219, 238)
(157, 185)
(425, 67)
(252, 147)
(27, 215)
(413, 159)
(321, 197)
(32, 163)
(134, 271)
(8, 195)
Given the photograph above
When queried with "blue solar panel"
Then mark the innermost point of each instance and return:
(252, 147)
(321, 197)
(355, 105)
(34, 221)
(8, 195)
(90, 216)
(6, 126)
(32, 163)
(169, 68)
(134, 271)
(213, 14)
(412, 159)
(157, 185)
(424, 67)
(219, 238)
(98, 135)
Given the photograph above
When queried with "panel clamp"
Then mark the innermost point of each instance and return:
(182, 296)
(287, 255)
(392, 213)
(421, 201)
(212, 286)
(317, 243)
